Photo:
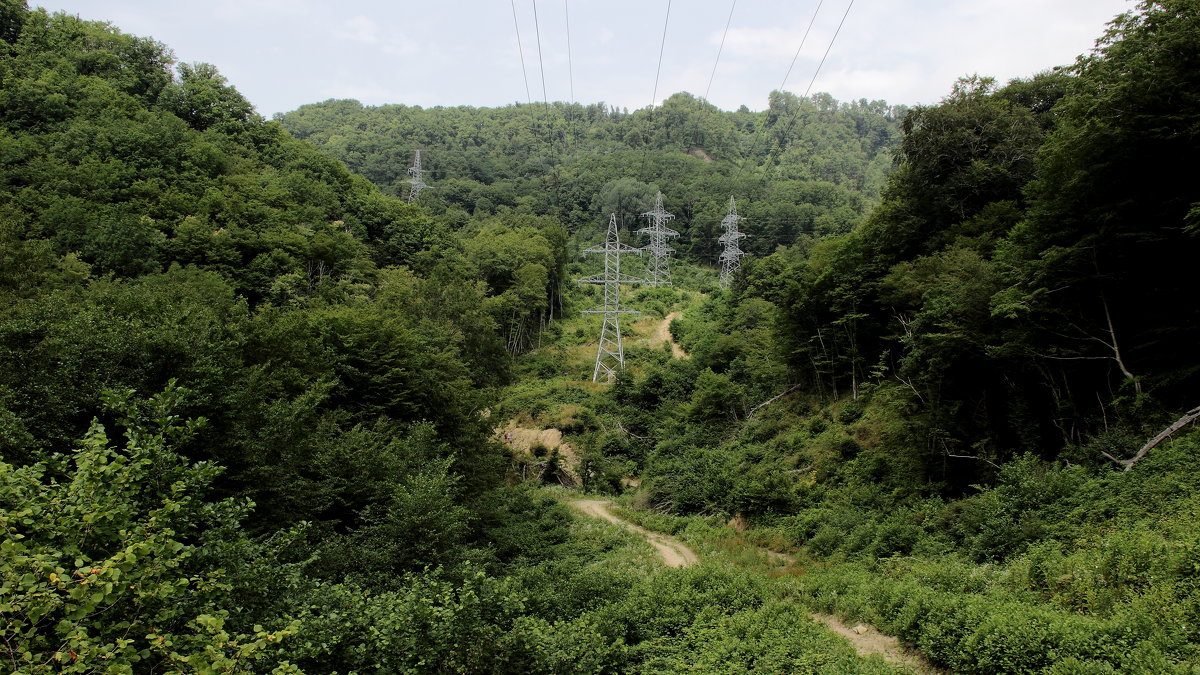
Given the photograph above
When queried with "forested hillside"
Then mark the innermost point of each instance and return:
(805, 167)
(956, 409)
(257, 411)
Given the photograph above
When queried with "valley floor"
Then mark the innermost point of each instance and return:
(1059, 609)
(866, 640)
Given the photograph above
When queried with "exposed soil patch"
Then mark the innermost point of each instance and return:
(526, 439)
(782, 559)
(867, 640)
(672, 551)
(662, 333)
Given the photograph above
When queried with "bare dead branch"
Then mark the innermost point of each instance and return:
(913, 387)
(981, 459)
(771, 400)
(1188, 417)
(630, 433)
(1112, 333)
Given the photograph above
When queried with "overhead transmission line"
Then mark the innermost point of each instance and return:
(802, 41)
(520, 50)
(831, 41)
(654, 96)
(758, 130)
(661, 47)
(719, 50)
(541, 67)
(570, 65)
(795, 114)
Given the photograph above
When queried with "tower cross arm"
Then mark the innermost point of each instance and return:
(615, 278)
(660, 216)
(658, 249)
(610, 248)
(610, 311)
(659, 230)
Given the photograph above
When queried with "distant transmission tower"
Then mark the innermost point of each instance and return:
(658, 265)
(610, 356)
(417, 185)
(731, 256)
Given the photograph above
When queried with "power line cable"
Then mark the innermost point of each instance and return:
(791, 124)
(796, 113)
(541, 67)
(661, 47)
(802, 41)
(571, 126)
(570, 65)
(654, 97)
(831, 41)
(520, 50)
(719, 50)
(759, 129)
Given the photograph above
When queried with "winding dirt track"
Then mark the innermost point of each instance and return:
(672, 551)
(662, 333)
(866, 640)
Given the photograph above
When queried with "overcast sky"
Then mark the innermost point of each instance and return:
(284, 53)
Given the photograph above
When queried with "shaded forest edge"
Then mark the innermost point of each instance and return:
(247, 395)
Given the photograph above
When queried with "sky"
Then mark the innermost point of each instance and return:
(281, 54)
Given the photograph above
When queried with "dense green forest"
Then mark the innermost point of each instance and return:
(250, 397)
(806, 167)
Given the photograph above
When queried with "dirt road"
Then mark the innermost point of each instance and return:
(662, 333)
(673, 552)
(867, 640)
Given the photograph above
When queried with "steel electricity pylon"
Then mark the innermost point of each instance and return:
(658, 267)
(416, 184)
(610, 356)
(731, 256)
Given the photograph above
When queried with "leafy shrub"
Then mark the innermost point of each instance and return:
(113, 556)
(850, 412)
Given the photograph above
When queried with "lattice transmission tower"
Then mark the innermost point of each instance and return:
(658, 267)
(416, 183)
(610, 356)
(731, 256)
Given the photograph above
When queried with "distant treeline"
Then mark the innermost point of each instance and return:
(803, 167)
